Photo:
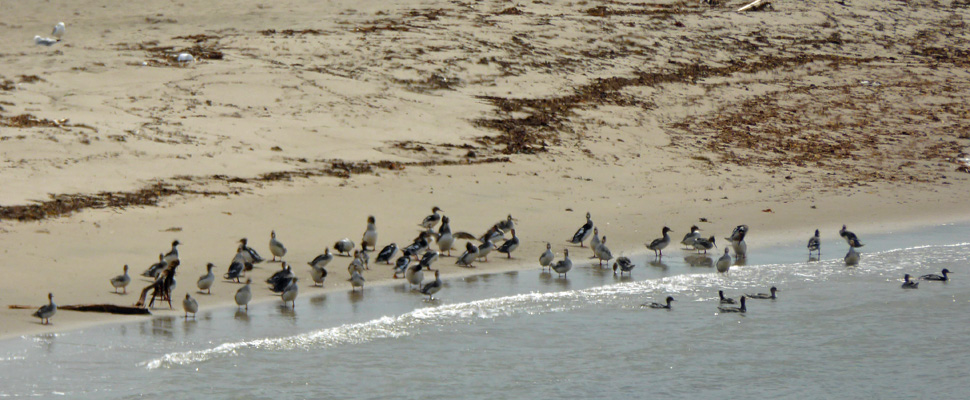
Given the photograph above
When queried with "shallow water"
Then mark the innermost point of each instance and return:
(833, 332)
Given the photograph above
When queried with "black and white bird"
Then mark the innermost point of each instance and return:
(764, 296)
(908, 283)
(173, 254)
(583, 232)
(386, 253)
(724, 300)
(431, 220)
(318, 273)
(850, 237)
(156, 268)
(370, 234)
(815, 244)
(276, 247)
(737, 241)
(689, 238)
(704, 244)
(431, 288)
(729, 309)
(624, 265)
(420, 244)
(428, 258)
(47, 311)
(658, 245)
(446, 241)
(660, 305)
(402, 263)
(510, 245)
(468, 257)
(344, 246)
(935, 277)
(485, 249)
(250, 254)
(322, 260)
(563, 266)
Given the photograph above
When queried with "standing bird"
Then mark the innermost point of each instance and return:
(250, 254)
(602, 252)
(420, 244)
(386, 253)
(468, 257)
(121, 281)
(850, 237)
(431, 220)
(815, 244)
(494, 233)
(173, 254)
(546, 257)
(244, 295)
(344, 246)
(724, 263)
(764, 296)
(852, 257)
(433, 287)
(485, 248)
(909, 284)
(190, 306)
(47, 311)
(58, 31)
(728, 309)
(935, 277)
(704, 244)
(356, 265)
(402, 263)
(737, 241)
(595, 241)
(205, 281)
(276, 247)
(583, 232)
(429, 258)
(318, 273)
(694, 234)
(563, 266)
(624, 265)
(414, 275)
(510, 245)
(506, 224)
(445, 239)
(370, 234)
(659, 305)
(290, 292)
(235, 269)
(658, 245)
(357, 281)
(724, 300)
(322, 260)
(156, 268)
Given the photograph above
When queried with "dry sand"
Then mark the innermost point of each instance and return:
(305, 117)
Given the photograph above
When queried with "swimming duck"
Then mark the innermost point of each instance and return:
(724, 263)
(658, 245)
(704, 244)
(47, 311)
(251, 255)
(173, 254)
(659, 305)
(431, 220)
(909, 284)
(386, 253)
(563, 266)
(121, 281)
(727, 309)
(510, 245)
(484, 249)
(445, 239)
(624, 265)
(244, 295)
(764, 296)
(852, 257)
(815, 244)
(546, 257)
(583, 232)
(935, 277)
(357, 281)
(724, 300)
(433, 287)
(689, 238)
(156, 268)
(190, 306)
(850, 237)
(322, 260)
(602, 252)
(344, 246)
(370, 234)
(469, 256)
(205, 281)
(276, 247)
(289, 293)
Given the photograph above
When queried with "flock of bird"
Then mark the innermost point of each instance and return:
(419, 256)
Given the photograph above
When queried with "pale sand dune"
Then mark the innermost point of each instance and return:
(375, 81)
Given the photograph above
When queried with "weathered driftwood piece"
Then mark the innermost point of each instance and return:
(756, 5)
(105, 308)
(161, 288)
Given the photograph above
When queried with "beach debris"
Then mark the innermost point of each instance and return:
(184, 58)
(43, 41)
(102, 308)
(756, 5)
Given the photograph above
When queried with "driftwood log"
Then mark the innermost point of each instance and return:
(105, 308)
(756, 5)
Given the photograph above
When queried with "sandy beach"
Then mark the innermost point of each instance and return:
(305, 118)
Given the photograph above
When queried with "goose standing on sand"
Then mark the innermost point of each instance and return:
(659, 305)
(764, 296)
(583, 232)
(244, 295)
(689, 238)
(468, 257)
(290, 292)
(190, 306)
(728, 309)
(563, 266)
(602, 252)
(386, 253)
(815, 244)
(704, 244)
(624, 265)
(433, 287)
(250, 254)
(370, 234)
(344, 246)
(909, 284)
(357, 281)
(724, 263)
(318, 274)
(737, 241)
(276, 247)
(546, 257)
(852, 257)
(121, 281)
(445, 239)
(484, 249)
(173, 254)
(402, 263)
(431, 220)
(205, 281)
(47, 311)
(414, 275)
(724, 300)
(850, 237)
(935, 277)
(658, 245)
(510, 245)
(428, 258)
(156, 268)
(595, 241)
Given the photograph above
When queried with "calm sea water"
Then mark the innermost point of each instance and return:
(835, 332)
